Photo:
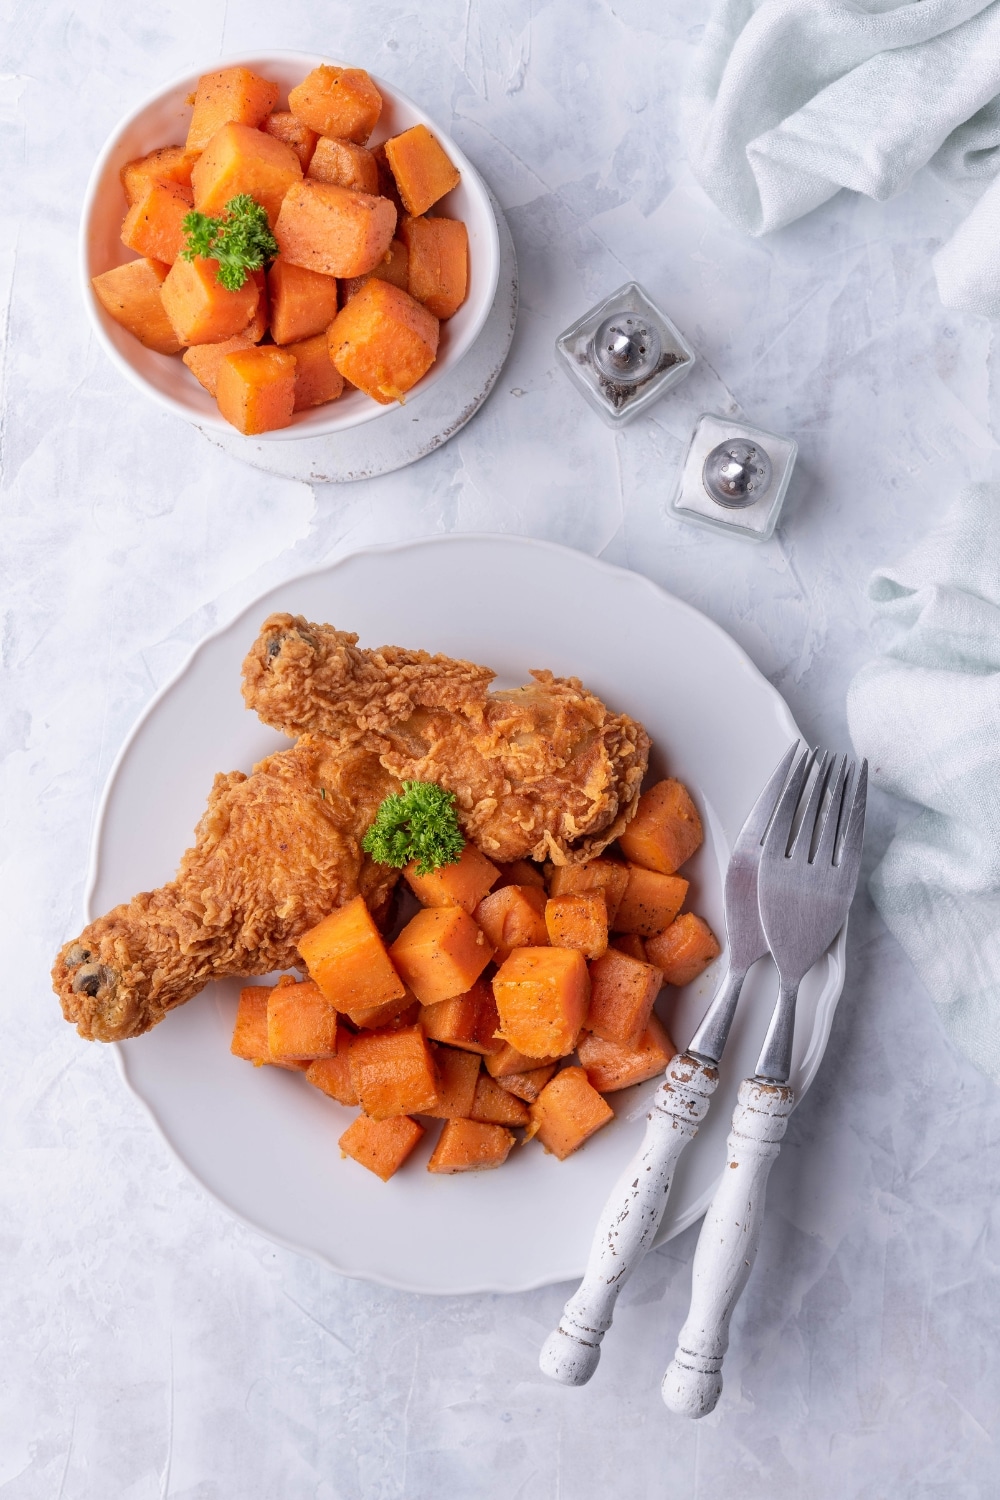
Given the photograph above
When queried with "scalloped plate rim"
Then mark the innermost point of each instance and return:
(836, 957)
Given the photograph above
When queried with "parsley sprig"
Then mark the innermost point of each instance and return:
(240, 239)
(418, 823)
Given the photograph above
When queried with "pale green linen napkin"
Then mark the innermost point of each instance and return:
(788, 101)
(926, 713)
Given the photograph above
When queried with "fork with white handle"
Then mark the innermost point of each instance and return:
(634, 1210)
(805, 886)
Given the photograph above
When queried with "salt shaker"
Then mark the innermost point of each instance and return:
(624, 354)
(734, 478)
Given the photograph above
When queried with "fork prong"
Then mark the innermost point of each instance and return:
(850, 852)
(809, 821)
(828, 838)
(763, 810)
(784, 814)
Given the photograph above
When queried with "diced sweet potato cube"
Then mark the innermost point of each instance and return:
(380, 1145)
(651, 901)
(303, 303)
(610, 1065)
(393, 1072)
(666, 829)
(203, 360)
(632, 944)
(438, 263)
(383, 341)
(683, 949)
(521, 872)
(579, 921)
(334, 230)
(421, 168)
(240, 160)
(301, 1023)
(622, 991)
(469, 1021)
(231, 94)
(200, 309)
(154, 225)
(440, 953)
(250, 1031)
(457, 1073)
(131, 295)
(405, 1012)
(493, 1105)
(255, 388)
(347, 958)
(393, 267)
(342, 102)
(333, 1074)
(513, 917)
(284, 126)
(527, 1085)
(345, 164)
(568, 1111)
(317, 380)
(469, 1146)
(508, 1062)
(463, 883)
(608, 876)
(170, 164)
(542, 996)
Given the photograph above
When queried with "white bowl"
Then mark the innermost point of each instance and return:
(162, 120)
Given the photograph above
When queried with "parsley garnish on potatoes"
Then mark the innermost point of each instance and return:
(240, 239)
(419, 823)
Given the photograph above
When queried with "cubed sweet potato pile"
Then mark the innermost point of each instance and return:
(516, 998)
(365, 271)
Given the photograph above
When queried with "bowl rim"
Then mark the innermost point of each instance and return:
(212, 422)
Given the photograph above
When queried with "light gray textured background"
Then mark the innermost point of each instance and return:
(154, 1348)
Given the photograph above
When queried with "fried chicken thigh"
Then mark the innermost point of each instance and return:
(274, 852)
(543, 771)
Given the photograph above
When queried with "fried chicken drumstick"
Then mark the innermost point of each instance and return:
(274, 852)
(544, 771)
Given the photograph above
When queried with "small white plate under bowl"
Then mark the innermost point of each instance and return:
(162, 120)
(262, 1140)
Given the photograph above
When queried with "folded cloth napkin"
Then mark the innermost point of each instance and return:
(790, 100)
(927, 715)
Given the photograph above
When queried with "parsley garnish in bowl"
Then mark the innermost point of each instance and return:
(240, 239)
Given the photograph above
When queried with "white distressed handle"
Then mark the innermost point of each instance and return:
(630, 1219)
(727, 1247)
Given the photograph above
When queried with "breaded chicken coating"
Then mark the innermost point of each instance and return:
(274, 852)
(544, 771)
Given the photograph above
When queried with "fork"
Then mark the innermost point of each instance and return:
(805, 887)
(635, 1207)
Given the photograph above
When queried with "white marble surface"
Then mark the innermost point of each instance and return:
(154, 1348)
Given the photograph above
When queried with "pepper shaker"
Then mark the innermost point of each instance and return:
(624, 354)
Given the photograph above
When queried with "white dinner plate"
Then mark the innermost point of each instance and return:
(262, 1140)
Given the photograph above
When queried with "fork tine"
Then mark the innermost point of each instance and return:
(784, 814)
(809, 821)
(850, 853)
(763, 810)
(833, 820)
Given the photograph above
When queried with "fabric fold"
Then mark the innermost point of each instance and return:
(926, 713)
(789, 101)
